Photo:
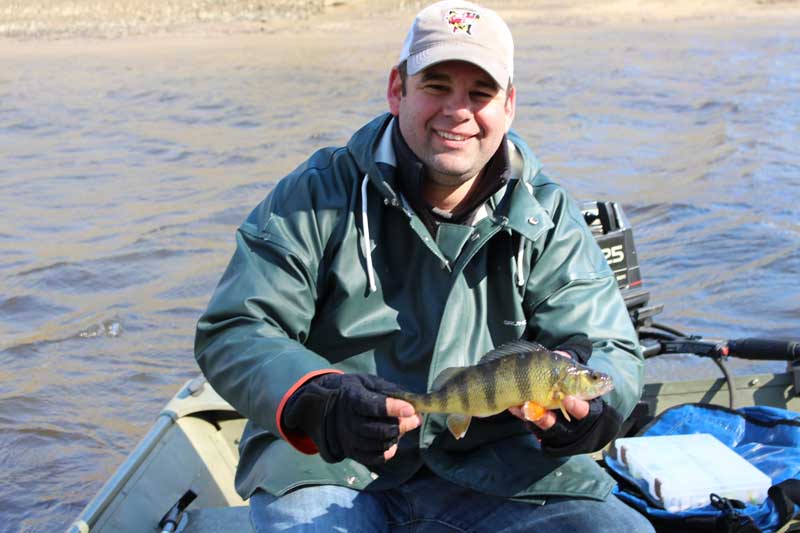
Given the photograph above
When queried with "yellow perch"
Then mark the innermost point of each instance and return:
(517, 373)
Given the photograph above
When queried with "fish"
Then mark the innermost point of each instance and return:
(516, 373)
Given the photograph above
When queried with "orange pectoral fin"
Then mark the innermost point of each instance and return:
(533, 411)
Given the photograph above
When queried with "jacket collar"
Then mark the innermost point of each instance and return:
(516, 204)
(371, 146)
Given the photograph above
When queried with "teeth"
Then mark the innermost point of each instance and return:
(450, 136)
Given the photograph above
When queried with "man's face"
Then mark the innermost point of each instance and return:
(453, 116)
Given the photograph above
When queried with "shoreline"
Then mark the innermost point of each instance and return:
(96, 20)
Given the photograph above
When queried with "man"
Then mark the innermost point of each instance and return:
(430, 239)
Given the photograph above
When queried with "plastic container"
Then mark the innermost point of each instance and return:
(681, 471)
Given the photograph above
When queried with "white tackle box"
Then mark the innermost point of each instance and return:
(681, 471)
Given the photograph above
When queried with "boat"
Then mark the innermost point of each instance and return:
(180, 477)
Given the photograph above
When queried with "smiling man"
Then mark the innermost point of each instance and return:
(432, 238)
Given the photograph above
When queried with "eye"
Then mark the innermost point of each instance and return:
(436, 88)
(481, 95)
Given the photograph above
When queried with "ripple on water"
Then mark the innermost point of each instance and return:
(247, 124)
(237, 160)
(26, 312)
(231, 216)
(96, 275)
(58, 457)
(107, 328)
(192, 288)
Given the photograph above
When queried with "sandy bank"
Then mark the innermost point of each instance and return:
(55, 19)
(104, 18)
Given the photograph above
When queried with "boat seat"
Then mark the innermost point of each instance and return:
(221, 520)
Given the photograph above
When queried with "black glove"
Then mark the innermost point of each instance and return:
(578, 346)
(587, 435)
(345, 416)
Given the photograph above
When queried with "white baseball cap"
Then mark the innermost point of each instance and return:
(462, 31)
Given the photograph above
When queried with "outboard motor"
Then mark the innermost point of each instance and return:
(614, 234)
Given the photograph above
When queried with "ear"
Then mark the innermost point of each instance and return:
(394, 92)
(510, 107)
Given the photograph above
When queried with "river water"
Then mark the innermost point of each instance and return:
(127, 165)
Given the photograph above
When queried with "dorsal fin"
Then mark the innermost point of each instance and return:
(446, 375)
(511, 348)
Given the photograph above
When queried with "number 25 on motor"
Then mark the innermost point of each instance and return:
(614, 254)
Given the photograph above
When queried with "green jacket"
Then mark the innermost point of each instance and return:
(297, 298)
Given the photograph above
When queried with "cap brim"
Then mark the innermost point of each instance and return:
(477, 55)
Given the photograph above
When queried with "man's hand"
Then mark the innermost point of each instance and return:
(407, 419)
(350, 415)
(594, 424)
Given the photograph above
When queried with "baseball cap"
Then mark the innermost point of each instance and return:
(463, 31)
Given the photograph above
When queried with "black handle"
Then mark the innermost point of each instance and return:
(171, 520)
(764, 349)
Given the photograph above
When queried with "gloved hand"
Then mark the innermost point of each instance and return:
(589, 434)
(346, 416)
(579, 347)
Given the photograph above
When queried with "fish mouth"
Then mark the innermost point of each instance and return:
(605, 387)
(602, 387)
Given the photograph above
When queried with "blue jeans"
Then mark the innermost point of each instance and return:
(429, 504)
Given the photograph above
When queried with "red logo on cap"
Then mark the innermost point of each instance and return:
(462, 20)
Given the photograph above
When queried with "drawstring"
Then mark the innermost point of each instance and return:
(365, 235)
(520, 252)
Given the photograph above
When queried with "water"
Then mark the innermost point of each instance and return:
(128, 164)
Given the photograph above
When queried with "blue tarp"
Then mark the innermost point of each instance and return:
(767, 437)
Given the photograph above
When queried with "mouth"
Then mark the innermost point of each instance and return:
(450, 136)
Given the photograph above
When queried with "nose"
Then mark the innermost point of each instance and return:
(458, 106)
